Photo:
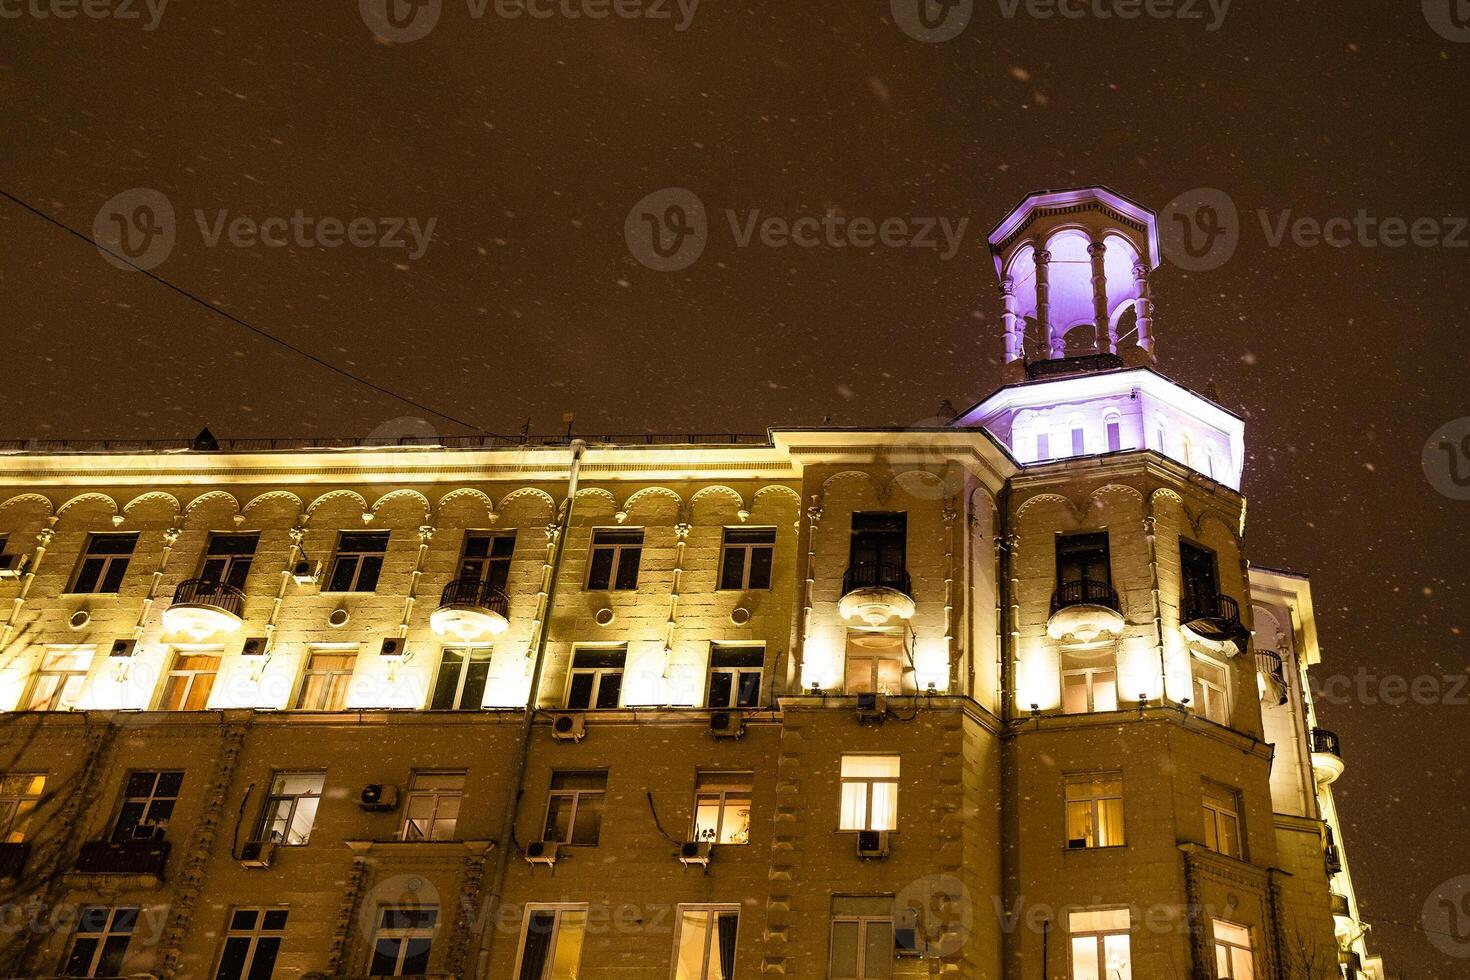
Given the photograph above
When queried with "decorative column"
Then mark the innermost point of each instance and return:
(1143, 305)
(43, 541)
(1010, 317)
(813, 520)
(1054, 345)
(1102, 328)
(949, 513)
(170, 538)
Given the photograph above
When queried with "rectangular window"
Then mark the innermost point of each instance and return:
(189, 682)
(1095, 810)
(722, 807)
(20, 794)
(596, 680)
(1079, 442)
(358, 562)
(1100, 945)
(460, 684)
(326, 679)
(148, 803)
(869, 792)
(1083, 558)
(290, 810)
(251, 943)
(1210, 686)
(1199, 581)
(745, 560)
(104, 563)
(704, 946)
(1115, 435)
(551, 945)
(432, 808)
(402, 940)
(1043, 446)
(874, 664)
(486, 557)
(58, 684)
(613, 564)
(735, 676)
(1222, 820)
(228, 557)
(1089, 681)
(879, 540)
(862, 938)
(574, 808)
(100, 941)
(1234, 959)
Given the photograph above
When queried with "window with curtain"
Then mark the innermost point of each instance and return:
(1095, 810)
(57, 686)
(704, 945)
(1100, 945)
(190, 680)
(20, 794)
(869, 792)
(431, 810)
(875, 664)
(1234, 956)
(722, 807)
(325, 682)
(551, 943)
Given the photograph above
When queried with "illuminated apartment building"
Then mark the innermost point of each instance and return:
(1001, 699)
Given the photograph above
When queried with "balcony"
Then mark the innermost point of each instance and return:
(202, 608)
(143, 858)
(12, 859)
(470, 610)
(1271, 677)
(1342, 913)
(1084, 610)
(1327, 762)
(1215, 620)
(874, 593)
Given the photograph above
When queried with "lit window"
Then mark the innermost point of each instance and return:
(460, 684)
(101, 941)
(1222, 820)
(104, 563)
(722, 807)
(874, 664)
(574, 808)
(704, 946)
(252, 942)
(1115, 434)
(20, 794)
(1089, 681)
(358, 562)
(1094, 811)
(290, 810)
(148, 803)
(745, 562)
(551, 944)
(1079, 441)
(190, 680)
(486, 557)
(735, 676)
(869, 792)
(862, 938)
(402, 941)
(1100, 945)
(1233, 957)
(432, 808)
(1043, 446)
(596, 680)
(228, 557)
(613, 564)
(58, 684)
(1210, 681)
(326, 679)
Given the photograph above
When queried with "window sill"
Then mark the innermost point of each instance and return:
(1085, 850)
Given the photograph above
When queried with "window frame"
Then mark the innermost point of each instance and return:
(252, 936)
(867, 782)
(576, 795)
(735, 672)
(615, 571)
(439, 796)
(236, 565)
(712, 913)
(108, 560)
(1099, 937)
(1217, 945)
(109, 930)
(469, 655)
(558, 911)
(191, 677)
(17, 789)
(356, 555)
(153, 796)
(1093, 802)
(1219, 692)
(724, 790)
(267, 819)
(746, 550)
(56, 700)
(863, 921)
(490, 568)
(1214, 814)
(599, 674)
(403, 935)
(1095, 663)
(330, 693)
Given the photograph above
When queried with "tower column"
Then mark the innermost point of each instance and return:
(1143, 306)
(1107, 342)
(1043, 303)
(1011, 319)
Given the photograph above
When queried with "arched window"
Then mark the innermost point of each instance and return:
(1113, 427)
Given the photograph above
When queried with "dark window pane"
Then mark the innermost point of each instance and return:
(447, 683)
(601, 574)
(760, 568)
(416, 959)
(732, 574)
(243, 919)
(87, 577)
(276, 919)
(589, 819)
(112, 581)
(580, 693)
(750, 690)
(112, 544)
(609, 690)
(367, 579)
(232, 962)
(385, 958)
(719, 688)
(342, 571)
(558, 818)
(77, 965)
(538, 945)
(113, 950)
(628, 568)
(737, 657)
(367, 541)
(169, 783)
(141, 783)
(239, 572)
(503, 545)
(473, 697)
(265, 958)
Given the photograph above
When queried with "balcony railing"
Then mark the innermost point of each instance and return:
(877, 575)
(474, 592)
(1085, 591)
(1215, 617)
(1333, 857)
(1326, 742)
(1268, 662)
(207, 592)
(132, 857)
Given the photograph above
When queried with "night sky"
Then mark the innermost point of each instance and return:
(529, 141)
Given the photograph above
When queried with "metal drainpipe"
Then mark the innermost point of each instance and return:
(508, 822)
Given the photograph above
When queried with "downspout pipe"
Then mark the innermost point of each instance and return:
(512, 804)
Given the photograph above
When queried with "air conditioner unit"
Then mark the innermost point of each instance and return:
(871, 707)
(393, 647)
(257, 854)
(303, 573)
(695, 852)
(123, 648)
(542, 852)
(726, 724)
(872, 844)
(254, 646)
(1077, 844)
(378, 796)
(12, 566)
(568, 728)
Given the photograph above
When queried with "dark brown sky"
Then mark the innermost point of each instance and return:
(530, 140)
